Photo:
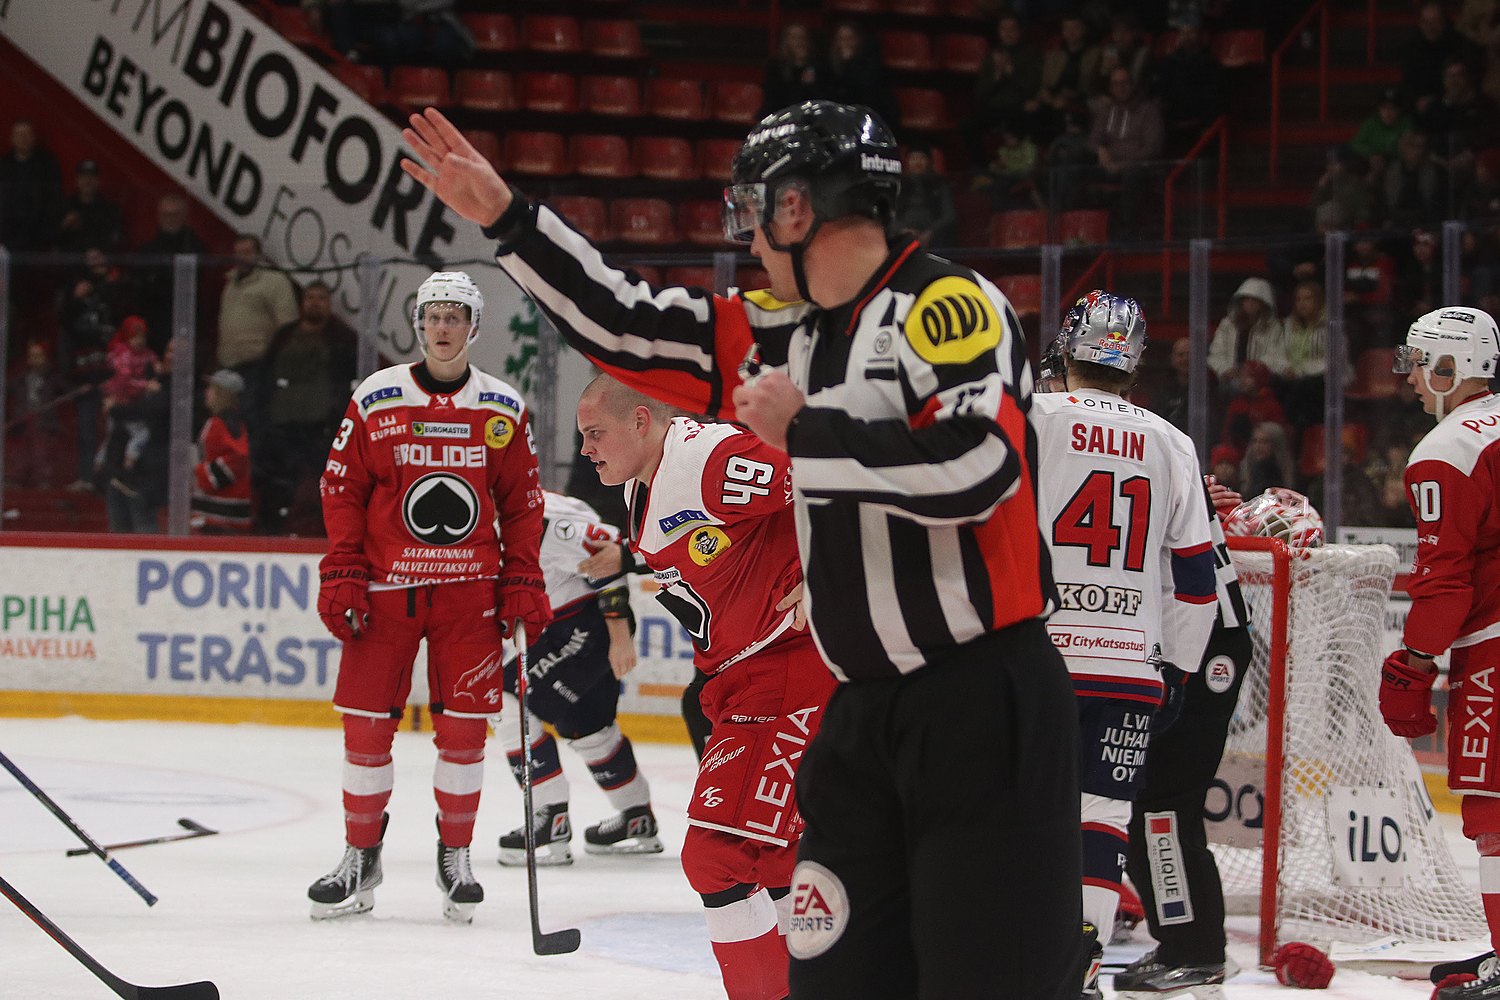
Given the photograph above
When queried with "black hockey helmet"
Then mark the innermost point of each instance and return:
(845, 154)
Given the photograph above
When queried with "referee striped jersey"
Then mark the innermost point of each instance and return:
(1232, 610)
(912, 462)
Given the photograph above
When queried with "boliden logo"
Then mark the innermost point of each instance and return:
(953, 322)
(707, 544)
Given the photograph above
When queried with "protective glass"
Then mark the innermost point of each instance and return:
(744, 209)
(1409, 356)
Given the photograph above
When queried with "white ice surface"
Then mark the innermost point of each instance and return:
(234, 909)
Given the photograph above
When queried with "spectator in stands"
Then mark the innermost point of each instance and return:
(1124, 46)
(1068, 163)
(1461, 121)
(94, 304)
(925, 205)
(1249, 330)
(310, 371)
(1267, 461)
(30, 192)
(1369, 293)
(1434, 47)
(1416, 189)
(1381, 132)
(1254, 403)
(258, 300)
(1008, 78)
(1303, 351)
(221, 479)
(1167, 396)
(794, 74)
(133, 365)
(1482, 196)
(88, 218)
(1069, 68)
(1343, 187)
(387, 32)
(173, 236)
(1360, 499)
(1126, 135)
(856, 75)
(33, 396)
(1393, 511)
(1191, 84)
(1419, 280)
(1224, 465)
(1010, 176)
(133, 494)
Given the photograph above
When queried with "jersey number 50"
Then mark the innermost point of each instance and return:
(1088, 520)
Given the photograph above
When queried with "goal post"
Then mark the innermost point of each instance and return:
(1320, 819)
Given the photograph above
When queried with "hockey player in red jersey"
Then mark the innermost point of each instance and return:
(434, 516)
(1452, 480)
(710, 511)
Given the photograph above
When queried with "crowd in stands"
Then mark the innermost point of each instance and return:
(1074, 105)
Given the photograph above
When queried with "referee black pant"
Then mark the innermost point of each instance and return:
(1180, 765)
(943, 832)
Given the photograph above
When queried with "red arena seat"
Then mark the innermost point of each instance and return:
(922, 107)
(961, 53)
(365, 80)
(492, 32)
(484, 90)
(906, 50)
(587, 215)
(544, 154)
(602, 156)
(612, 95)
(681, 100)
(551, 33)
(715, 156)
(665, 159)
(613, 39)
(552, 93)
(736, 101)
(416, 87)
(643, 220)
(1085, 226)
(1026, 227)
(702, 222)
(487, 144)
(1024, 292)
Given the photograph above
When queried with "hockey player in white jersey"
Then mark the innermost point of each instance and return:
(1121, 507)
(573, 671)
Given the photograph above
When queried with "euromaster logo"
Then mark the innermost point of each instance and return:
(426, 428)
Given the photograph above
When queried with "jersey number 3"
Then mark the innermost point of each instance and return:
(1088, 520)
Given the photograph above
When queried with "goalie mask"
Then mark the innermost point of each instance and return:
(1455, 343)
(1278, 513)
(1106, 329)
(447, 286)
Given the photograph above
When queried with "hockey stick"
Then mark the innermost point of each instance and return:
(556, 942)
(130, 991)
(67, 821)
(197, 830)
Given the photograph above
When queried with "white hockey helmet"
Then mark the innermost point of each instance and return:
(1466, 335)
(447, 286)
(1278, 513)
(1106, 329)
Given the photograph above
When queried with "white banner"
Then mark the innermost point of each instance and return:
(209, 623)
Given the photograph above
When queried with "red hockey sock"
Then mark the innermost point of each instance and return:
(368, 776)
(751, 951)
(458, 776)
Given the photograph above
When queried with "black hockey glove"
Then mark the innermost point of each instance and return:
(1173, 694)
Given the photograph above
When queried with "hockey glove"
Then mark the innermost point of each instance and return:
(1173, 693)
(522, 596)
(1406, 697)
(343, 601)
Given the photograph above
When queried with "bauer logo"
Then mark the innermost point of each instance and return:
(820, 911)
(1168, 880)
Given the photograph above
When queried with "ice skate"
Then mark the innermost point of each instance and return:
(633, 831)
(461, 893)
(1479, 966)
(1091, 990)
(1484, 988)
(350, 888)
(1148, 979)
(553, 831)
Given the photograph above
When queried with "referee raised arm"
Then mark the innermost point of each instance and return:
(941, 856)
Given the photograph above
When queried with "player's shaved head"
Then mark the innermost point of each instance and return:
(616, 399)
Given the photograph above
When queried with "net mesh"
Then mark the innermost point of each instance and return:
(1345, 873)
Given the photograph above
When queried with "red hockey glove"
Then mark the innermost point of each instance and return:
(1406, 697)
(1303, 966)
(343, 603)
(522, 596)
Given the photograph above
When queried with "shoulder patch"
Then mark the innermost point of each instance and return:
(953, 322)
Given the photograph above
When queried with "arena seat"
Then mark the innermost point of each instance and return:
(613, 39)
(612, 95)
(416, 87)
(961, 53)
(715, 156)
(484, 90)
(922, 107)
(602, 156)
(492, 32)
(646, 221)
(1025, 227)
(551, 33)
(543, 154)
(681, 100)
(551, 93)
(736, 101)
(587, 215)
(666, 159)
(487, 144)
(702, 222)
(1083, 226)
(906, 50)
(365, 80)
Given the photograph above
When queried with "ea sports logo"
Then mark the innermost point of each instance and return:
(440, 509)
(820, 911)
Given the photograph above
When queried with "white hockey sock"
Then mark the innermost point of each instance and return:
(611, 760)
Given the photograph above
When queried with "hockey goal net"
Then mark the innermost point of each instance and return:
(1346, 846)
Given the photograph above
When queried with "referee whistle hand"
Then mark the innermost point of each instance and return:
(454, 170)
(768, 406)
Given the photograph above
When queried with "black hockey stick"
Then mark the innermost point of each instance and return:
(130, 991)
(196, 830)
(556, 942)
(67, 821)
